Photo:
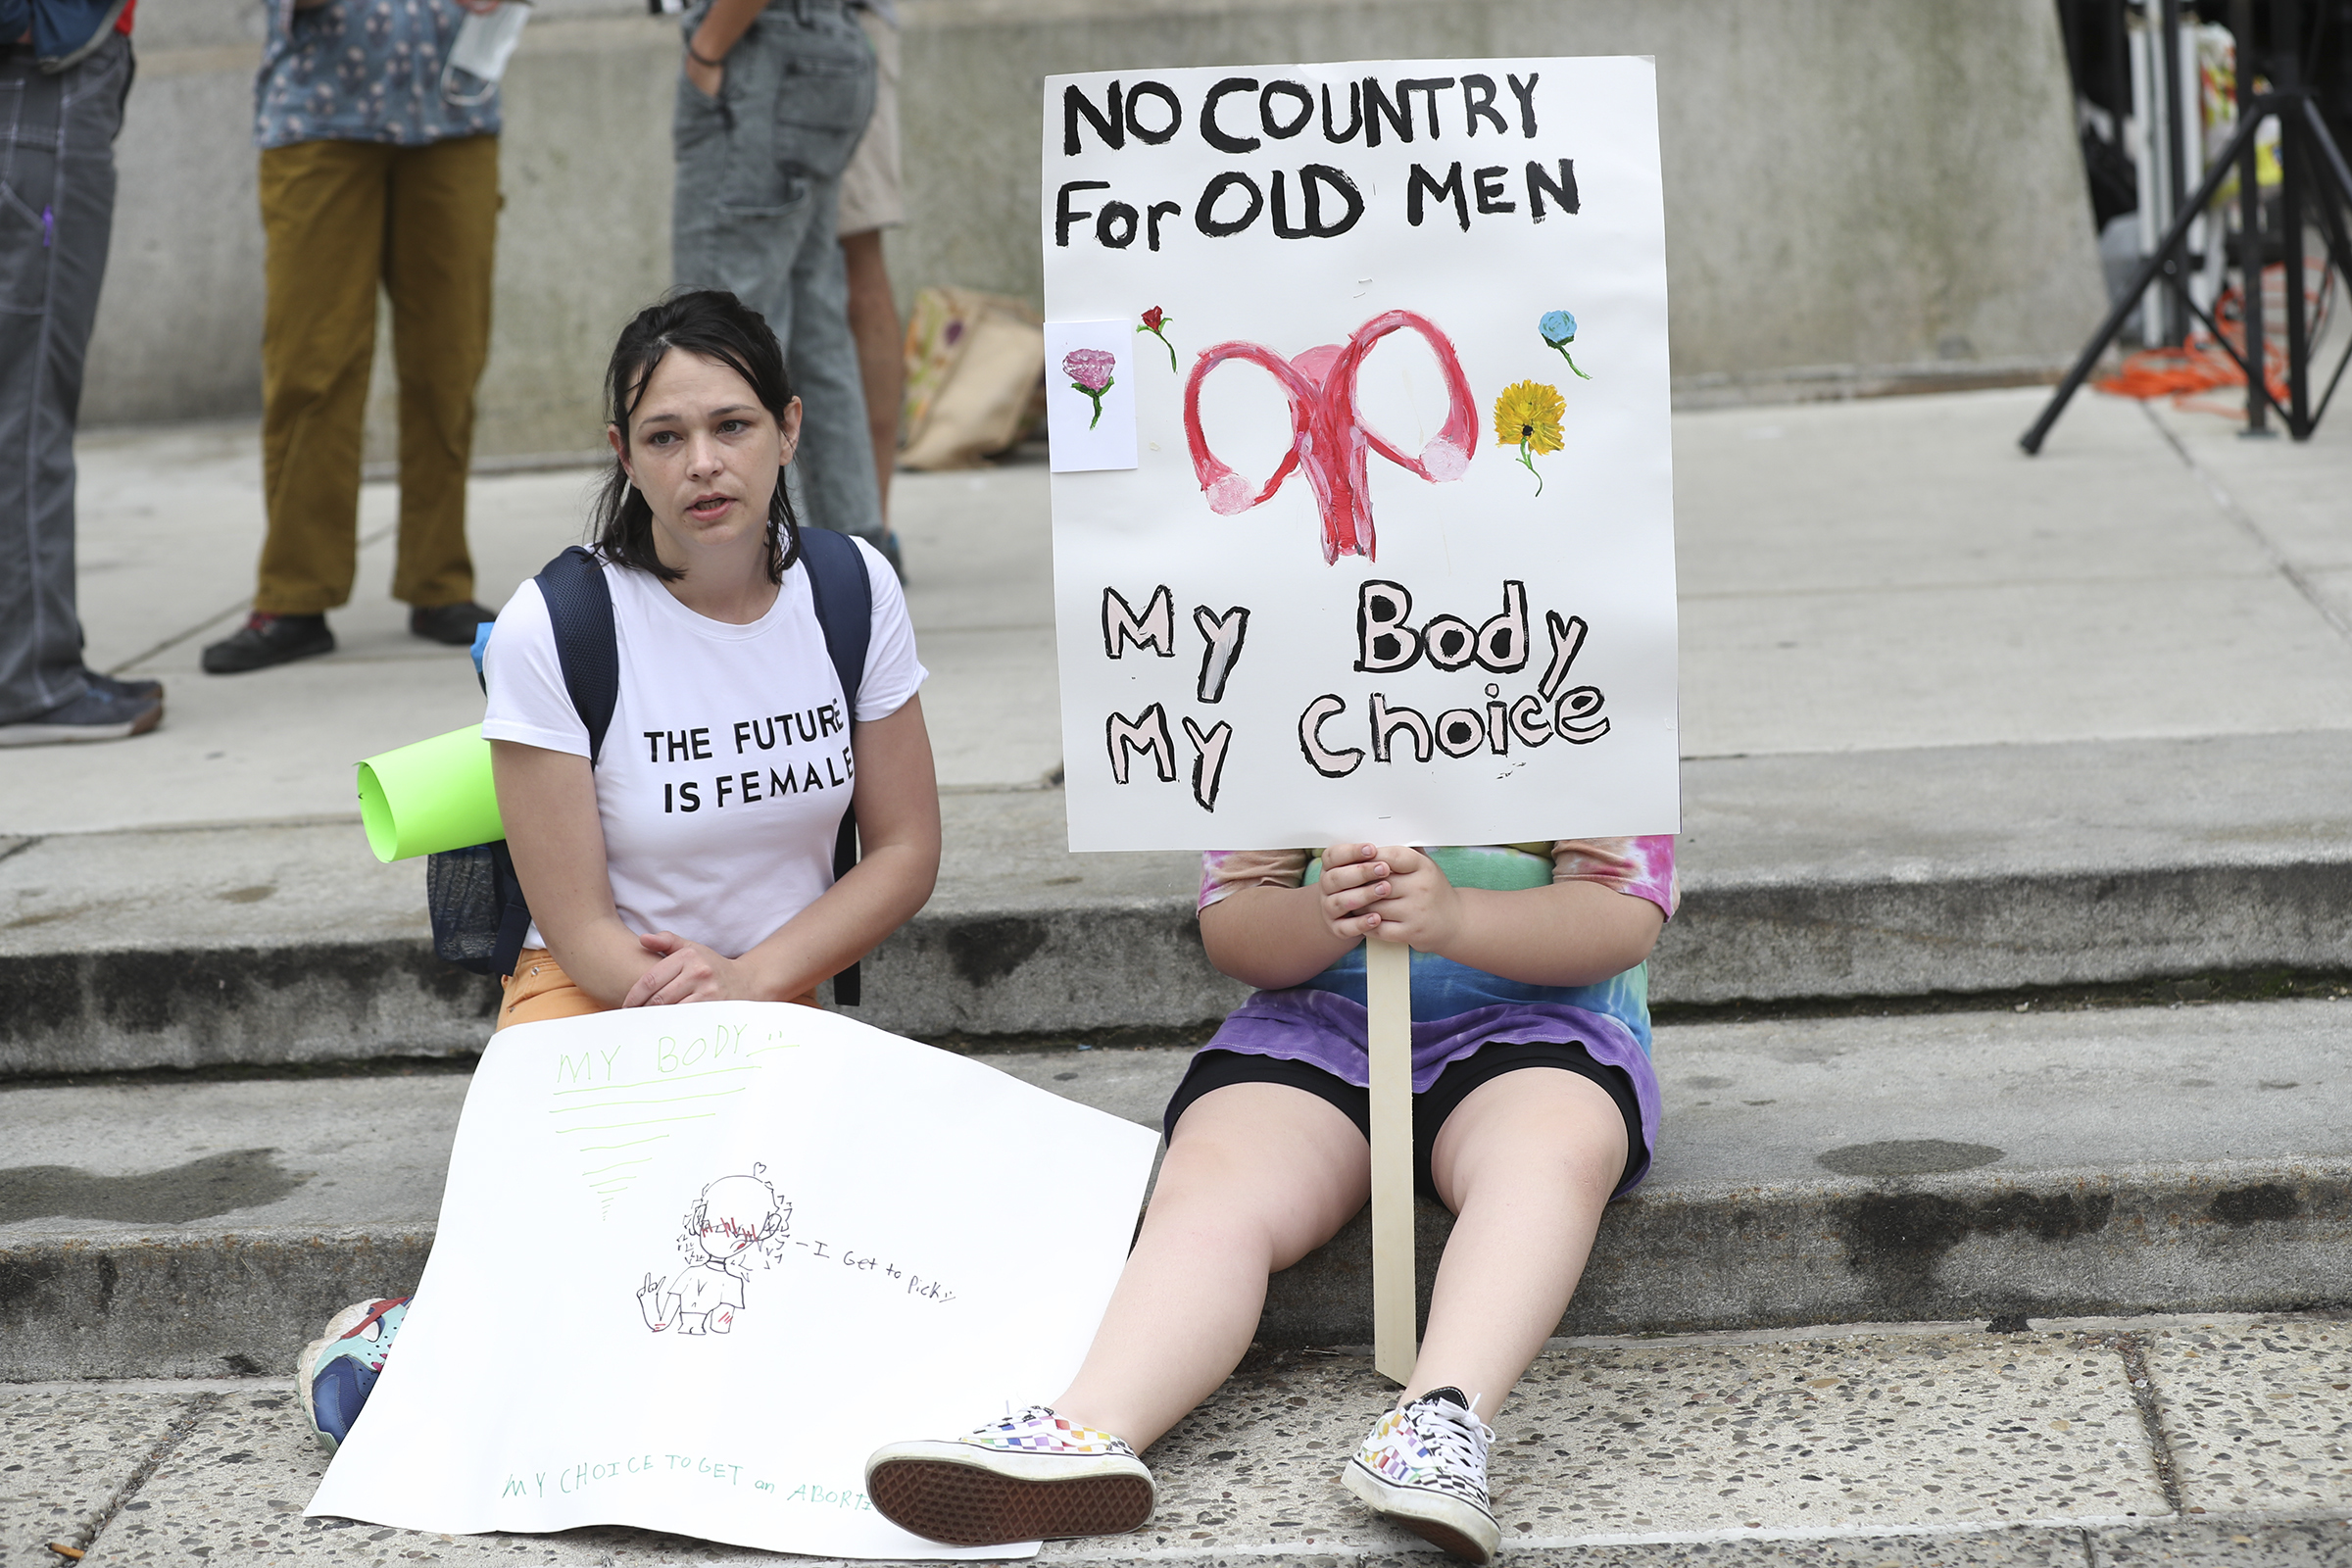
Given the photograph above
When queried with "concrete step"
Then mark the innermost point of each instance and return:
(1925, 1167)
(1888, 873)
(2177, 1441)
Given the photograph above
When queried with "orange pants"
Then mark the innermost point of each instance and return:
(539, 989)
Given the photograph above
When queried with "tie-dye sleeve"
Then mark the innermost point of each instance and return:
(1642, 867)
(1226, 872)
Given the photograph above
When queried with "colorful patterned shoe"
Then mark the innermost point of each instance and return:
(1029, 1477)
(1425, 1466)
(339, 1368)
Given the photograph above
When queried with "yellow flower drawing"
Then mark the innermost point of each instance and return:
(1528, 417)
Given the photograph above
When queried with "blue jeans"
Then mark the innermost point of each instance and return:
(57, 215)
(759, 176)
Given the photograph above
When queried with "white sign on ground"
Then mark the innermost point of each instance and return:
(1397, 555)
(695, 1263)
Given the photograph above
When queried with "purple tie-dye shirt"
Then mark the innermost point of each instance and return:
(1456, 1009)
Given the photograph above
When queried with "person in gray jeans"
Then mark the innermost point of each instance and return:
(772, 99)
(65, 72)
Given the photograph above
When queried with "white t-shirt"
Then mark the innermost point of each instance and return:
(727, 764)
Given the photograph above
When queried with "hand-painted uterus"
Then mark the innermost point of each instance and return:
(1329, 438)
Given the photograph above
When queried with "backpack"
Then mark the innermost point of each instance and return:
(479, 917)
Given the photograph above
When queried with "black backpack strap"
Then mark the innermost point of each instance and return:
(515, 919)
(845, 603)
(844, 596)
(579, 611)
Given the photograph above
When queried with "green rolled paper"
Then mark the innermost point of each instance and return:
(433, 796)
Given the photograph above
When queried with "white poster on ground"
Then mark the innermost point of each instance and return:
(1397, 556)
(695, 1263)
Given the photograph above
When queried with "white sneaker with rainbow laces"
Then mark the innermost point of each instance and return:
(1424, 1465)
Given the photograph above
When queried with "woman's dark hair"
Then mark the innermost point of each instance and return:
(718, 327)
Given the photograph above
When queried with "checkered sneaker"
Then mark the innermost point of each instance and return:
(1029, 1477)
(1424, 1466)
(1038, 1430)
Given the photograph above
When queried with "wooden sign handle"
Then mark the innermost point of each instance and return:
(1388, 1007)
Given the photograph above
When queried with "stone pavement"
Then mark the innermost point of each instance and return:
(2181, 1440)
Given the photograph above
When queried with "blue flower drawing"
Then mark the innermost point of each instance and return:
(1559, 330)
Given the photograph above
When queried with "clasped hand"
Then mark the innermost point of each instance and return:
(687, 971)
(1389, 893)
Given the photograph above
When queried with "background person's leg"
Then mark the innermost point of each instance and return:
(438, 253)
(757, 182)
(1527, 1162)
(57, 164)
(322, 211)
(826, 103)
(881, 354)
(835, 463)
(872, 199)
(1257, 1176)
(733, 225)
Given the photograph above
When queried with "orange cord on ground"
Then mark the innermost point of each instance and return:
(2203, 365)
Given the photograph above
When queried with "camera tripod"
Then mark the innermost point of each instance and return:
(2312, 165)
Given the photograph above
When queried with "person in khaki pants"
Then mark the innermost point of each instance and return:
(379, 168)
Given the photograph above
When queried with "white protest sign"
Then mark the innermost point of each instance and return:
(1331, 599)
(695, 1263)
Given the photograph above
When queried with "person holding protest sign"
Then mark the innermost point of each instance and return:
(1534, 1104)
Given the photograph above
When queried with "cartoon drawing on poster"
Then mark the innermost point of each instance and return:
(1394, 555)
(737, 1223)
(795, 1223)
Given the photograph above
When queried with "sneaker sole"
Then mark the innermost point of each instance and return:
(1447, 1523)
(35, 734)
(961, 1504)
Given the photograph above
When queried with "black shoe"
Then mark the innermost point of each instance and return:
(449, 623)
(267, 640)
(126, 688)
(97, 714)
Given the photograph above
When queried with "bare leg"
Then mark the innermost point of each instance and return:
(1257, 1176)
(1527, 1163)
(881, 351)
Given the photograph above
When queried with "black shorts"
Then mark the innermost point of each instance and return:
(1214, 1070)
